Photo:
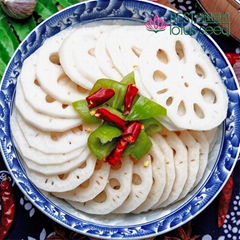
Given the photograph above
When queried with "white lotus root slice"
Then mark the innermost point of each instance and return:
(114, 194)
(211, 136)
(90, 188)
(193, 148)
(201, 138)
(181, 166)
(53, 142)
(159, 179)
(35, 95)
(104, 60)
(169, 165)
(35, 155)
(125, 45)
(55, 169)
(51, 75)
(77, 56)
(64, 182)
(41, 121)
(180, 77)
(141, 185)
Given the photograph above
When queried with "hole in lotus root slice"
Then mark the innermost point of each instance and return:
(82, 89)
(117, 166)
(77, 129)
(63, 79)
(49, 99)
(169, 101)
(179, 50)
(98, 165)
(208, 95)
(55, 135)
(85, 184)
(159, 76)
(198, 110)
(114, 183)
(54, 58)
(36, 82)
(162, 91)
(64, 106)
(63, 176)
(181, 109)
(101, 197)
(162, 56)
(91, 52)
(136, 179)
(186, 84)
(137, 51)
(83, 165)
(199, 70)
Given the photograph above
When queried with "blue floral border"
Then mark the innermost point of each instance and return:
(135, 10)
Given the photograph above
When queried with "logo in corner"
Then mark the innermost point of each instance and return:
(156, 24)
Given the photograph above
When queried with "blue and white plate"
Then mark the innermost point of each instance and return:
(221, 162)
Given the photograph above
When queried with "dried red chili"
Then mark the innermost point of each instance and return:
(115, 157)
(130, 134)
(99, 97)
(107, 116)
(224, 201)
(131, 93)
(233, 57)
(8, 208)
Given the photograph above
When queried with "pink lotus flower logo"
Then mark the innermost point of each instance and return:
(156, 24)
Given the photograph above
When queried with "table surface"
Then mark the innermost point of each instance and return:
(30, 224)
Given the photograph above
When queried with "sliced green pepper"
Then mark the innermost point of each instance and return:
(120, 89)
(141, 147)
(151, 126)
(128, 79)
(103, 140)
(81, 107)
(144, 108)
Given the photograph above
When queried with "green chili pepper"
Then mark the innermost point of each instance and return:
(117, 100)
(128, 79)
(103, 140)
(81, 107)
(144, 108)
(151, 126)
(141, 147)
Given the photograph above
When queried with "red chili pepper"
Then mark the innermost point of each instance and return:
(99, 97)
(107, 116)
(129, 97)
(130, 134)
(233, 57)
(8, 208)
(115, 157)
(224, 201)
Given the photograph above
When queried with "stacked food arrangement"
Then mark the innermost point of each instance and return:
(113, 118)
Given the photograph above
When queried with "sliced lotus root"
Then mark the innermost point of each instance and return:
(64, 182)
(35, 155)
(159, 179)
(169, 166)
(56, 169)
(204, 150)
(114, 194)
(181, 166)
(90, 188)
(54, 142)
(41, 121)
(104, 60)
(211, 136)
(51, 76)
(35, 95)
(77, 56)
(141, 185)
(193, 148)
(180, 77)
